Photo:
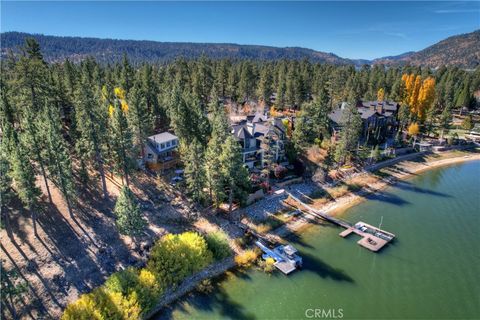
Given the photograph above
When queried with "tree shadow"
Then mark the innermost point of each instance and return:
(216, 301)
(387, 197)
(322, 269)
(37, 300)
(408, 186)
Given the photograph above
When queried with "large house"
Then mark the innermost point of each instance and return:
(254, 132)
(161, 151)
(379, 118)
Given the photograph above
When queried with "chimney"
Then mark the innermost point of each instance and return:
(251, 127)
(380, 107)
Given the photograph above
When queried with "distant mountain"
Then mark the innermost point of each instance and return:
(109, 50)
(461, 50)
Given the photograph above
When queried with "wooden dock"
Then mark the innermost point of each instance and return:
(373, 238)
(285, 257)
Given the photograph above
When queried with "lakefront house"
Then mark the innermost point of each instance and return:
(254, 132)
(379, 118)
(160, 151)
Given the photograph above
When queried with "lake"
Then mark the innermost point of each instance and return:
(431, 270)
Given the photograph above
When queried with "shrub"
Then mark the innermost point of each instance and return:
(205, 286)
(269, 265)
(175, 257)
(133, 284)
(246, 258)
(83, 309)
(217, 243)
(103, 304)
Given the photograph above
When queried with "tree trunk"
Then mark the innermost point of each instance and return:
(69, 207)
(8, 227)
(230, 199)
(10, 306)
(34, 220)
(44, 174)
(101, 171)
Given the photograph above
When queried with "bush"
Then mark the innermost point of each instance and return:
(133, 284)
(175, 257)
(102, 304)
(205, 286)
(217, 243)
(246, 258)
(269, 265)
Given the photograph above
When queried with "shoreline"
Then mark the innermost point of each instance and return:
(342, 204)
(304, 222)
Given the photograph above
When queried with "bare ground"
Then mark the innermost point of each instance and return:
(72, 255)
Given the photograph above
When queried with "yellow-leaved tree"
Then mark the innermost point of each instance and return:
(413, 129)
(380, 94)
(419, 94)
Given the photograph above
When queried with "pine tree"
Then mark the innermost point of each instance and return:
(120, 136)
(59, 163)
(264, 90)
(192, 155)
(90, 124)
(18, 169)
(139, 120)
(246, 82)
(234, 172)
(128, 213)
(313, 122)
(202, 79)
(214, 178)
(351, 123)
(30, 87)
(126, 78)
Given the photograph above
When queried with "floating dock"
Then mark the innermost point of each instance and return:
(373, 238)
(286, 258)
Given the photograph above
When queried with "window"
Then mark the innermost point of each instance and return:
(162, 145)
(174, 142)
(168, 144)
(150, 156)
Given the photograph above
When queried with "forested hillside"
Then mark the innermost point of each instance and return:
(110, 50)
(461, 50)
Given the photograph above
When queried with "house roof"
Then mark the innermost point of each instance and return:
(387, 105)
(240, 132)
(163, 137)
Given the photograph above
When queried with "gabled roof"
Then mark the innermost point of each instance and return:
(240, 132)
(163, 137)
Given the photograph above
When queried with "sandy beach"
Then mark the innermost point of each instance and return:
(400, 171)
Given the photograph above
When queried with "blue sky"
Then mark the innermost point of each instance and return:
(349, 29)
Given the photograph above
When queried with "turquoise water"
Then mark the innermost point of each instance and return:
(431, 271)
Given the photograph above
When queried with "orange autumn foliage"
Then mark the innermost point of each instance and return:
(380, 94)
(413, 129)
(419, 94)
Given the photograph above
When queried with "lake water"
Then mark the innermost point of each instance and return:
(431, 271)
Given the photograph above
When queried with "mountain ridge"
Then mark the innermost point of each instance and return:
(462, 50)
